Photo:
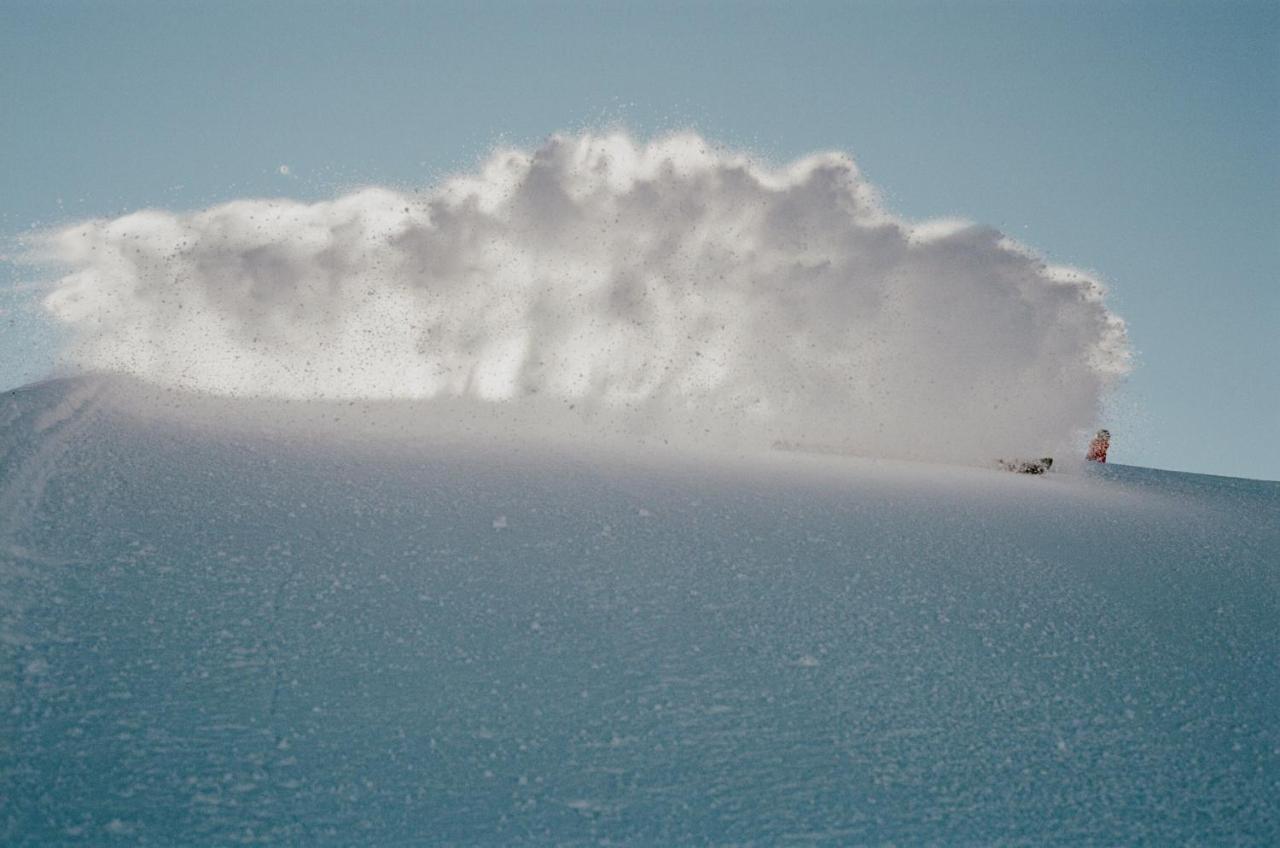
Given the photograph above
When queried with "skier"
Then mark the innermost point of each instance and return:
(1098, 447)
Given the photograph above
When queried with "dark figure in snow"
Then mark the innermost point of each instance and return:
(1027, 466)
(1098, 447)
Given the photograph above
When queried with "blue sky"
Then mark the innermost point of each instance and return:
(1138, 140)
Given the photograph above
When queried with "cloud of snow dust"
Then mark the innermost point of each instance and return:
(669, 285)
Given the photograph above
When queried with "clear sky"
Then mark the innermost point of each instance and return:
(1138, 140)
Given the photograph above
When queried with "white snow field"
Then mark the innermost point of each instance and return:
(231, 621)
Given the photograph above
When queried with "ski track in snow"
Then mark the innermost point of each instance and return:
(228, 633)
(26, 571)
(25, 485)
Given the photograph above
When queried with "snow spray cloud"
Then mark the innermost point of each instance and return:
(672, 285)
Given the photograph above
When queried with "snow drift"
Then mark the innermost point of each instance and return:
(235, 621)
(670, 288)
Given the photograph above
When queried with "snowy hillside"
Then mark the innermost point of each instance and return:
(246, 621)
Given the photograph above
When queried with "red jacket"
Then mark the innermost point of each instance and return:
(1098, 450)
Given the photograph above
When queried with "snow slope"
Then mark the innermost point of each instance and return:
(245, 621)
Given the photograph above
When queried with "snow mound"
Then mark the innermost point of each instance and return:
(685, 290)
(226, 620)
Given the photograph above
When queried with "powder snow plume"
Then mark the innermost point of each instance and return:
(669, 285)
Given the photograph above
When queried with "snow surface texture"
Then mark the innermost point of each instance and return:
(227, 620)
(669, 288)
